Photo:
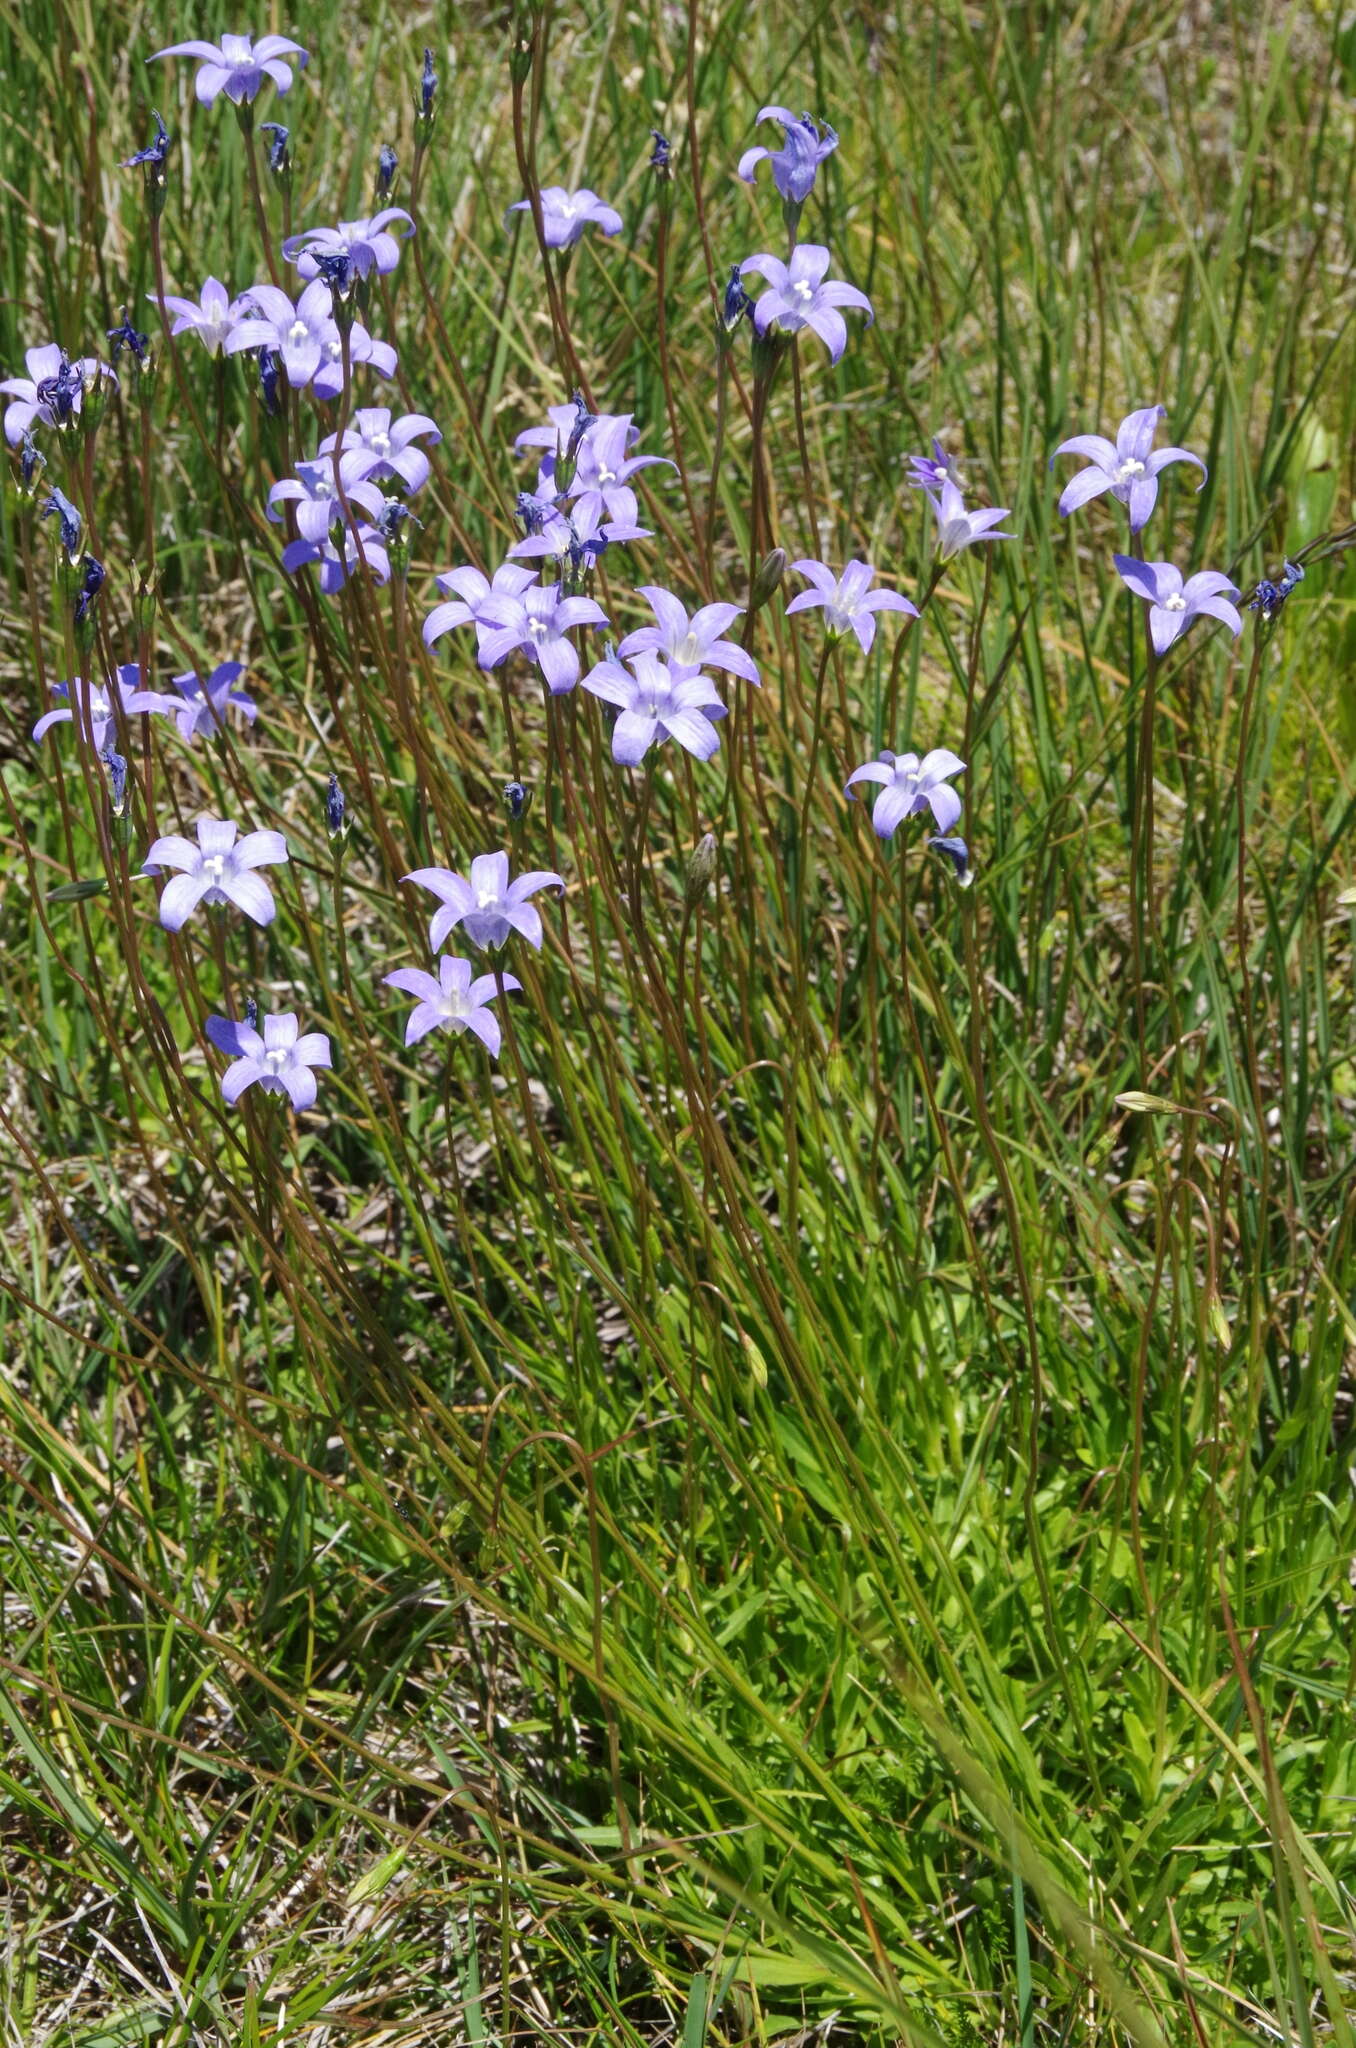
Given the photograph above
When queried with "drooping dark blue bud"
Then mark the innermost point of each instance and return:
(1269, 597)
(334, 808)
(154, 154)
(127, 337)
(60, 391)
(251, 1013)
(533, 512)
(31, 460)
(339, 274)
(117, 778)
(387, 164)
(659, 155)
(268, 382)
(579, 426)
(515, 796)
(394, 513)
(279, 161)
(66, 512)
(737, 302)
(428, 85)
(958, 853)
(91, 583)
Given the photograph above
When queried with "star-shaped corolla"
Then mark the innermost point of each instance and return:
(565, 215)
(278, 1060)
(52, 393)
(911, 786)
(1129, 467)
(237, 66)
(221, 868)
(536, 624)
(368, 244)
(305, 336)
(848, 600)
(96, 702)
(211, 317)
(487, 906)
(466, 591)
(656, 702)
(205, 705)
(1174, 602)
(375, 445)
(796, 163)
(451, 1000)
(694, 642)
(802, 295)
(957, 528)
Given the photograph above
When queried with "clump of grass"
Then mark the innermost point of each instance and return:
(808, 1497)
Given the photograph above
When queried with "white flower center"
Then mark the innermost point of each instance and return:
(687, 653)
(297, 333)
(380, 444)
(539, 629)
(1129, 470)
(803, 290)
(1175, 603)
(276, 1060)
(214, 864)
(334, 350)
(606, 477)
(486, 895)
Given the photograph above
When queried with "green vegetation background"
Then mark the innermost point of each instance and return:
(646, 1543)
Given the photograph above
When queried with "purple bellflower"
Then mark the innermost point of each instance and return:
(689, 643)
(451, 1000)
(219, 869)
(237, 67)
(536, 623)
(802, 296)
(657, 702)
(368, 244)
(210, 318)
(488, 906)
(377, 446)
(316, 497)
(205, 704)
(466, 590)
(279, 1061)
(97, 702)
(911, 785)
(1173, 604)
(848, 600)
(1129, 468)
(306, 337)
(53, 391)
(796, 163)
(603, 470)
(565, 215)
(957, 528)
(336, 567)
(930, 472)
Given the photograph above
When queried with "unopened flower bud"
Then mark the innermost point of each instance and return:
(424, 106)
(32, 462)
(770, 572)
(92, 577)
(144, 602)
(958, 854)
(387, 165)
(517, 798)
(700, 868)
(336, 821)
(279, 157)
(68, 516)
